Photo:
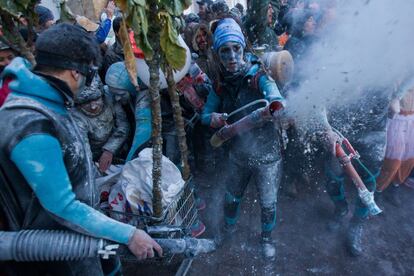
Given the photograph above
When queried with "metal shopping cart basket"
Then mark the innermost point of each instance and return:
(177, 219)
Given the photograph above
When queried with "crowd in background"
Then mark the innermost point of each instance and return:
(114, 119)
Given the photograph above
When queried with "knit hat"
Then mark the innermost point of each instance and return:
(220, 7)
(117, 77)
(227, 31)
(67, 46)
(44, 14)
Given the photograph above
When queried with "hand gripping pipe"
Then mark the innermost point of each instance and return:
(364, 194)
(245, 124)
(190, 247)
(51, 245)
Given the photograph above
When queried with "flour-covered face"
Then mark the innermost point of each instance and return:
(120, 95)
(122, 98)
(94, 106)
(231, 56)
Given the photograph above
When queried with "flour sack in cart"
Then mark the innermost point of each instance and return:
(133, 190)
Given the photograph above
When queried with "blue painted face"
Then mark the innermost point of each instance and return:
(231, 56)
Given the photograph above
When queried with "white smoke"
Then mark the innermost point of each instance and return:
(368, 45)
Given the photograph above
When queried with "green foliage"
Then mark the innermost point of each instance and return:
(175, 7)
(66, 14)
(137, 18)
(16, 8)
(173, 52)
(10, 12)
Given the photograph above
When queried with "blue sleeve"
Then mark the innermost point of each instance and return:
(143, 130)
(212, 105)
(103, 30)
(39, 158)
(270, 90)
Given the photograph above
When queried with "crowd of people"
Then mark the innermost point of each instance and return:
(76, 113)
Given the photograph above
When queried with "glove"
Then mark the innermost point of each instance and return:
(218, 119)
(277, 110)
(105, 160)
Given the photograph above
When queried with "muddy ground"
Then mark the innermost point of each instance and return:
(304, 245)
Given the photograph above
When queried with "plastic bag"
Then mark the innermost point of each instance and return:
(134, 187)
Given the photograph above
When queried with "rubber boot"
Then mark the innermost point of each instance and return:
(393, 195)
(231, 212)
(354, 238)
(268, 224)
(341, 210)
(268, 246)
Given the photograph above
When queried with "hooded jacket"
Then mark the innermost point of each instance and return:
(260, 144)
(258, 30)
(46, 171)
(205, 58)
(107, 130)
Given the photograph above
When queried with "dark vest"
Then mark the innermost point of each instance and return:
(260, 144)
(26, 117)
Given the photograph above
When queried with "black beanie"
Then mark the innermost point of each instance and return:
(44, 14)
(67, 46)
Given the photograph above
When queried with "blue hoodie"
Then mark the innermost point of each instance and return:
(41, 142)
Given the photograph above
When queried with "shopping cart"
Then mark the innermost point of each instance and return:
(174, 223)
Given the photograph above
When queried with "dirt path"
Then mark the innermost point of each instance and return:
(304, 245)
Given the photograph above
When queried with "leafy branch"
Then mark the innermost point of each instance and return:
(155, 33)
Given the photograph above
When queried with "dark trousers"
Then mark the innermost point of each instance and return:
(266, 177)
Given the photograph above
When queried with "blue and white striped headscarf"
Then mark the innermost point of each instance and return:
(227, 31)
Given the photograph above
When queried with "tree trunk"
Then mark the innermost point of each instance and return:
(179, 122)
(154, 67)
